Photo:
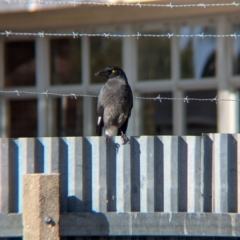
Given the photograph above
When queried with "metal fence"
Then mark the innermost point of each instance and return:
(154, 185)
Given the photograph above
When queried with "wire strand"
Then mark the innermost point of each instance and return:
(75, 96)
(137, 35)
(121, 4)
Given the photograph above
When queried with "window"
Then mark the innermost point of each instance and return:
(152, 71)
(201, 116)
(236, 51)
(65, 61)
(23, 118)
(104, 52)
(156, 116)
(19, 57)
(154, 58)
(69, 118)
(197, 54)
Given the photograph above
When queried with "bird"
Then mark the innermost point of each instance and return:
(115, 103)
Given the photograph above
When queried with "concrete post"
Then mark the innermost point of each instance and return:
(41, 207)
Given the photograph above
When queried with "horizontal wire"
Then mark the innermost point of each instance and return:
(138, 4)
(75, 96)
(46, 93)
(43, 34)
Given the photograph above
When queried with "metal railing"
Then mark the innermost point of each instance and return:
(154, 185)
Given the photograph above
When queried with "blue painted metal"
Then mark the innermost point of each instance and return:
(156, 176)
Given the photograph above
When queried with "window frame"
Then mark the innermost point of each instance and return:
(224, 82)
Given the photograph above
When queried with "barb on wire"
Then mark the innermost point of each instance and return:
(186, 99)
(234, 35)
(170, 5)
(201, 35)
(17, 92)
(215, 99)
(108, 35)
(202, 5)
(123, 4)
(75, 35)
(73, 3)
(159, 98)
(138, 35)
(41, 34)
(7, 33)
(75, 96)
(46, 93)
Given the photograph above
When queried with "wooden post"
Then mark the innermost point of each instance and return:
(41, 207)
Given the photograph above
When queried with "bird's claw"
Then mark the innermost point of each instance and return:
(125, 139)
(107, 138)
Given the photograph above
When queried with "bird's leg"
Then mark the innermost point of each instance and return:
(107, 137)
(124, 138)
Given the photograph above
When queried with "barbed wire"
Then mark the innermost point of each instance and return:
(46, 93)
(137, 4)
(74, 35)
(75, 96)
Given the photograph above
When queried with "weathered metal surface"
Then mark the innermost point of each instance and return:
(150, 224)
(11, 225)
(134, 224)
(188, 175)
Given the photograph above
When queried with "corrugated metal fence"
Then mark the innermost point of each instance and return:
(156, 185)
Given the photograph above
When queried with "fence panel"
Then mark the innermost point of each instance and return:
(132, 189)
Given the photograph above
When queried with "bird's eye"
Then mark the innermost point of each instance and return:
(113, 71)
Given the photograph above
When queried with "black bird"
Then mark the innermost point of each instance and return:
(115, 103)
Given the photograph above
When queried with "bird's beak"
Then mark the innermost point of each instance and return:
(101, 73)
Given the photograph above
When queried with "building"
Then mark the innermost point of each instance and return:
(174, 67)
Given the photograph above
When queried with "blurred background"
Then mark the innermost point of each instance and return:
(173, 67)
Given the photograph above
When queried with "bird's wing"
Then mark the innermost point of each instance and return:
(123, 128)
(130, 111)
(100, 110)
(100, 121)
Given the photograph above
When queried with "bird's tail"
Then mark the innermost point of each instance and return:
(99, 130)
